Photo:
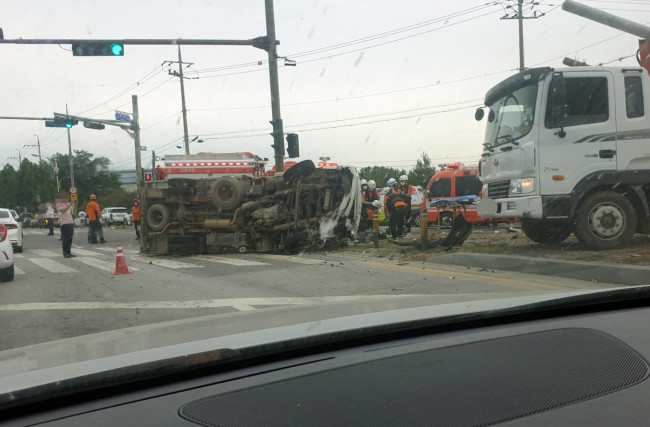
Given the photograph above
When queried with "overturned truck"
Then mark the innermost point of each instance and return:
(305, 207)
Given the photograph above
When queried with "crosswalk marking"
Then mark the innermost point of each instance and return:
(43, 253)
(298, 260)
(114, 249)
(168, 263)
(18, 270)
(78, 251)
(228, 260)
(53, 266)
(102, 265)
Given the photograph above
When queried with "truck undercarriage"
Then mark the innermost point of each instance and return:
(303, 208)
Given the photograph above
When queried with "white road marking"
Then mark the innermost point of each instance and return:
(114, 249)
(296, 259)
(242, 303)
(53, 266)
(78, 251)
(19, 256)
(228, 260)
(243, 307)
(18, 270)
(102, 265)
(44, 253)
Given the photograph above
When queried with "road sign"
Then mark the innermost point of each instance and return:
(73, 190)
(73, 197)
(121, 116)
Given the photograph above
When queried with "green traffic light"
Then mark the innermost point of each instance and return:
(68, 125)
(117, 49)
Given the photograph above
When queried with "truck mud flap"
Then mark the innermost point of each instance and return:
(460, 230)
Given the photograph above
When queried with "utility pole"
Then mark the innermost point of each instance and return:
(278, 130)
(519, 16)
(38, 144)
(70, 153)
(180, 75)
(135, 126)
(20, 159)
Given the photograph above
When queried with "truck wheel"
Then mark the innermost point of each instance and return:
(605, 220)
(301, 169)
(157, 217)
(545, 232)
(227, 193)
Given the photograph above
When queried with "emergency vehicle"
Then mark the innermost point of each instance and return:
(452, 181)
(213, 164)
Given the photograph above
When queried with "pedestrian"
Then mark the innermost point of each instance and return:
(398, 208)
(135, 212)
(94, 224)
(49, 218)
(83, 218)
(407, 194)
(65, 207)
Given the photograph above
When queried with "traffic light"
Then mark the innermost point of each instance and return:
(278, 145)
(293, 147)
(61, 122)
(147, 176)
(94, 125)
(98, 49)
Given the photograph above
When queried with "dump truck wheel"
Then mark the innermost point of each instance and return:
(227, 193)
(302, 169)
(605, 220)
(157, 217)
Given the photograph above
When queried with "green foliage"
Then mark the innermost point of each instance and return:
(380, 174)
(419, 175)
(33, 184)
(422, 172)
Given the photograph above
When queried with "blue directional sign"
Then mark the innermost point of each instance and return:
(122, 117)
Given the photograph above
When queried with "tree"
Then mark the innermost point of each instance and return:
(422, 172)
(91, 175)
(380, 174)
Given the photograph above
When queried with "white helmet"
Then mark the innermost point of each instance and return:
(372, 185)
(391, 182)
(364, 182)
(403, 178)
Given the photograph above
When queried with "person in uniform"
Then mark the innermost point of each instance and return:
(94, 225)
(135, 212)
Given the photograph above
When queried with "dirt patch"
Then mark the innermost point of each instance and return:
(513, 242)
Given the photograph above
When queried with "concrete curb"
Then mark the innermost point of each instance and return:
(630, 275)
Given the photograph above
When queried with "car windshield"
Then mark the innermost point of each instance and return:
(194, 170)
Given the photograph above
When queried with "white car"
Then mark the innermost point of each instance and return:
(14, 229)
(6, 256)
(111, 216)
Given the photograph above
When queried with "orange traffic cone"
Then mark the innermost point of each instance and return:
(120, 263)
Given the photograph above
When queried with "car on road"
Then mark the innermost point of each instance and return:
(26, 219)
(113, 215)
(6, 256)
(14, 229)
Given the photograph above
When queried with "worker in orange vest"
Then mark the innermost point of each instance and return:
(94, 224)
(135, 212)
(397, 208)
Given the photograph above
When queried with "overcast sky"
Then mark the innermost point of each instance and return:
(376, 81)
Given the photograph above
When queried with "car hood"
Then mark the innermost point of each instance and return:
(29, 373)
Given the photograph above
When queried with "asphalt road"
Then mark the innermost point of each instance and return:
(54, 298)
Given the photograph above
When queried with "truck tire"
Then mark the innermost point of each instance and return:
(157, 217)
(545, 232)
(227, 193)
(301, 169)
(605, 220)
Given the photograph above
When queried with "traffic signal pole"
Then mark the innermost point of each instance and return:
(96, 47)
(135, 126)
(70, 153)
